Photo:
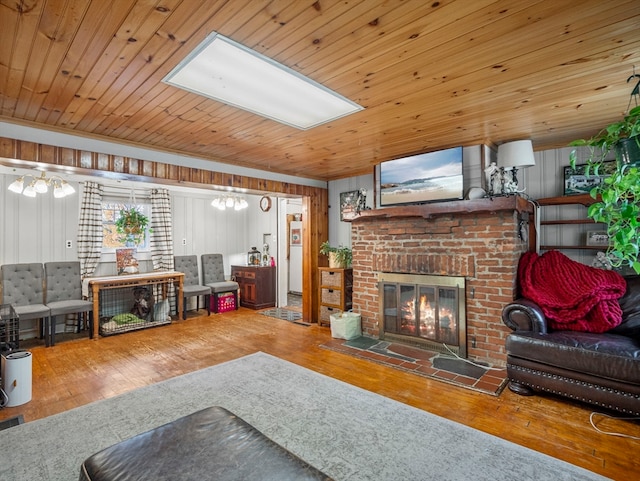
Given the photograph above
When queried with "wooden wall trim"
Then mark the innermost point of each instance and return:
(22, 153)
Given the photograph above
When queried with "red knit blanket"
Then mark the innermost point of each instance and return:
(573, 296)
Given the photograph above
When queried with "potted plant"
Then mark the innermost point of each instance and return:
(131, 225)
(621, 137)
(618, 196)
(339, 257)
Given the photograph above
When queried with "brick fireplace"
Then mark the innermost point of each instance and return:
(475, 239)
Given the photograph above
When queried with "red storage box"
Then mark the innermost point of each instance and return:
(226, 302)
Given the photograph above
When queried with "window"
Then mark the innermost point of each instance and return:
(110, 213)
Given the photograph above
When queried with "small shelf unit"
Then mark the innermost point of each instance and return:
(581, 199)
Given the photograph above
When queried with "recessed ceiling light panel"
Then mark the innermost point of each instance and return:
(229, 72)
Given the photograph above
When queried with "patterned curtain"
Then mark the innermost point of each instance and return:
(90, 229)
(160, 239)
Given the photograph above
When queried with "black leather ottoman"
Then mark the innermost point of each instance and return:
(212, 444)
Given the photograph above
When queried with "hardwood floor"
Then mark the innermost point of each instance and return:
(77, 372)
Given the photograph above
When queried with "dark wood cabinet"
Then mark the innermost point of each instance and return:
(257, 286)
(336, 286)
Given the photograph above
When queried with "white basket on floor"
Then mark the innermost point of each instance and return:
(345, 325)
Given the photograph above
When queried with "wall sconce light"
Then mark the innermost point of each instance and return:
(40, 185)
(512, 155)
(229, 202)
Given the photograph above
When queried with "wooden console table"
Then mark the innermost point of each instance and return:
(96, 284)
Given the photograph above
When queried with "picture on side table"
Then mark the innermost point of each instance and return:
(597, 238)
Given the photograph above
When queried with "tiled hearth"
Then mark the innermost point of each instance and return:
(478, 240)
(421, 363)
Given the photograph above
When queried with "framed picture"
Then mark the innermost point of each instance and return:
(597, 238)
(577, 182)
(126, 262)
(348, 205)
(296, 237)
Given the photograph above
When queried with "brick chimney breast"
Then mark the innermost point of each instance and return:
(476, 239)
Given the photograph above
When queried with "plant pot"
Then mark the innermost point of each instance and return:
(333, 262)
(628, 151)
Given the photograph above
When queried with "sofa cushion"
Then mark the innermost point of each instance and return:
(630, 304)
(604, 355)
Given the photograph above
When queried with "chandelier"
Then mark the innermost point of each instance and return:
(229, 202)
(40, 185)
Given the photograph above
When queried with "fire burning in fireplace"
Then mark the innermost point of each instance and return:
(427, 317)
(428, 311)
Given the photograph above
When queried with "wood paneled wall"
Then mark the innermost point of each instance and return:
(315, 200)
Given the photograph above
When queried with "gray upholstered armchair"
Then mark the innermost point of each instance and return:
(64, 294)
(192, 287)
(213, 277)
(22, 287)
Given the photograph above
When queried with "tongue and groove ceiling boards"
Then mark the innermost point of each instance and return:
(430, 75)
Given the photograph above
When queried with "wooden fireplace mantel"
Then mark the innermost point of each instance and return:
(493, 204)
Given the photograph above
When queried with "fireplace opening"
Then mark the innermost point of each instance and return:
(424, 310)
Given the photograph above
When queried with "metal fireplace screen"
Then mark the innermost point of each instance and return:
(428, 311)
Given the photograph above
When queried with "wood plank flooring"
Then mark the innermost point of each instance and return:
(76, 372)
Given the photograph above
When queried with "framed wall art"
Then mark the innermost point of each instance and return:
(348, 205)
(577, 182)
(296, 237)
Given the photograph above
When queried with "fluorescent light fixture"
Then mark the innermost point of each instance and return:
(229, 72)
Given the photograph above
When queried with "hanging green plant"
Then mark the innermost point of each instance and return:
(131, 224)
(618, 196)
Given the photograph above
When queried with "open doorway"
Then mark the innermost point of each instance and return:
(290, 253)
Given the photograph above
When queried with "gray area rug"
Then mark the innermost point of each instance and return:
(347, 432)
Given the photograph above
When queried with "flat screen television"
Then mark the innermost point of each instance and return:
(429, 177)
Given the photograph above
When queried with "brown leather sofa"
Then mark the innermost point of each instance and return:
(599, 369)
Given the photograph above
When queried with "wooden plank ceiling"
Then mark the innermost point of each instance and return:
(430, 74)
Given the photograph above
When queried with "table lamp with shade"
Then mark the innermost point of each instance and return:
(511, 156)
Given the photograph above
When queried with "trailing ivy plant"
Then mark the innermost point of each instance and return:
(618, 196)
(619, 210)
